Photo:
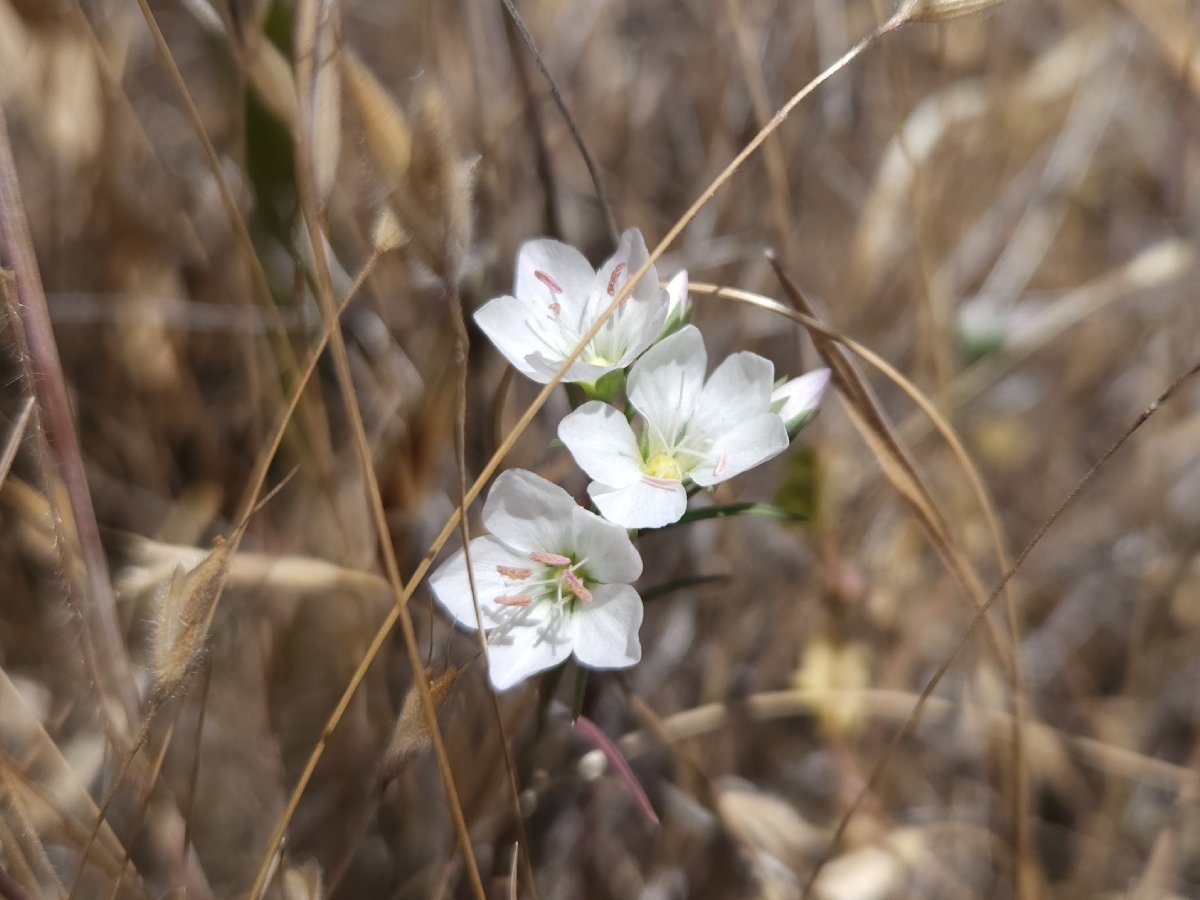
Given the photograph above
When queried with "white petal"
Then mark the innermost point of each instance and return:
(528, 513)
(740, 387)
(647, 503)
(637, 324)
(630, 255)
(666, 382)
(606, 630)
(453, 591)
(800, 396)
(533, 644)
(602, 443)
(610, 554)
(565, 278)
(741, 447)
(578, 371)
(515, 328)
(677, 293)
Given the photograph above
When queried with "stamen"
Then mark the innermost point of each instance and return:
(516, 573)
(555, 309)
(576, 586)
(514, 600)
(550, 559)
(548, 281)
(612, 279)
(722, 465)
(665, 484)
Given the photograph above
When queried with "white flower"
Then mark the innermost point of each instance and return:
(558, 299)
(552, 579)
(796, 401)
(693, 430)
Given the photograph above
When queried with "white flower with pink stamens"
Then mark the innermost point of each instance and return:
(552, 579)
(694, 431)
(558, 297)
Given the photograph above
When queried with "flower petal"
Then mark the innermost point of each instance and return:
(630, 255)
(517, 330)
(602, 442)
(666, 382)
(677, 293)
(530, 645)
(741, 447)
(647, 503)
(610, 554)
(606, 630)
(552, 272)
(740, 387)
(453, 590)
(528, 513)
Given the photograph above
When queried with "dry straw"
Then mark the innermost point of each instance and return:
(942, 10)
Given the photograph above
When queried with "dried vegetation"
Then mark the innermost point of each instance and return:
(999, 199)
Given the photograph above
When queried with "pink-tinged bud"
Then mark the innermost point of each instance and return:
(550, 559)
(515, 600)
(576, 586)
(612, 279)
(548, 281)
(515, 573)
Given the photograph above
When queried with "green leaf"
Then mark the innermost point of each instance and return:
(766, 510)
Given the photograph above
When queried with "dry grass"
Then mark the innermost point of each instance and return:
(993, 216)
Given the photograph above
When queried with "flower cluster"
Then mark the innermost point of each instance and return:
(552, 579)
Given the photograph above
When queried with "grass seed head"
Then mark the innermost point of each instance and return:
(942, 10)
(385, 126)
(183, 616)
(411, 733)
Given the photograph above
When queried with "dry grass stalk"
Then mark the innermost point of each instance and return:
(411, 733)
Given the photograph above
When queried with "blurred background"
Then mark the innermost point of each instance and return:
(1003, 206)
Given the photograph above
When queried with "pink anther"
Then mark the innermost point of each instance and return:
(662, 484)
(514, 600)
(550, 559)
(612, 279)
(722, 465)
(576, 586)
(516, 573)
(548, 281)
(555, 309)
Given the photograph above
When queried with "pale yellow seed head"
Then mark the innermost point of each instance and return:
(942, 10)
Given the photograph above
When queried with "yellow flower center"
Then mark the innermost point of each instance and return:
(663, 465)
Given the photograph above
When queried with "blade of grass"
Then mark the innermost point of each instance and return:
(60, 455)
